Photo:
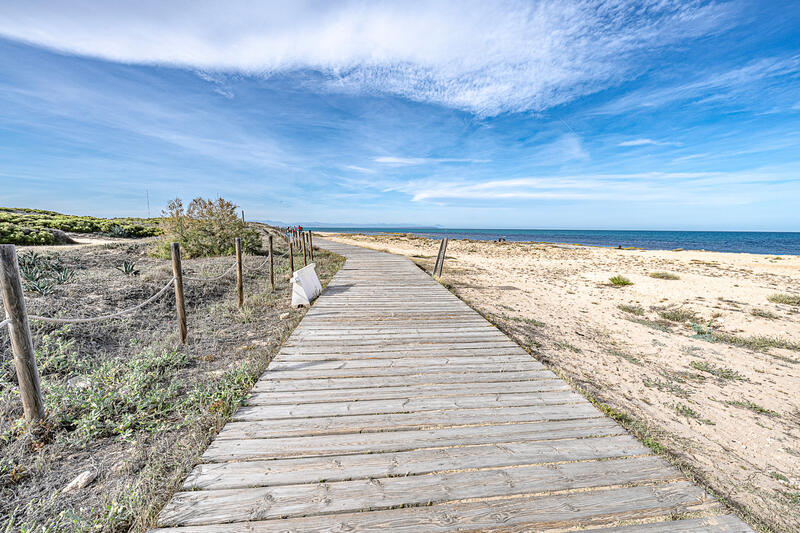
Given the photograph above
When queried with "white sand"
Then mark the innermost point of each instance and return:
(752, 458)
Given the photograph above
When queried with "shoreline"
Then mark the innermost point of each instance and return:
(565, 245)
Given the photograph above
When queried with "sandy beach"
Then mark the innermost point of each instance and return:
(694, 356)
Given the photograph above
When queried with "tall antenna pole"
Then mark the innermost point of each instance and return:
(147, 192)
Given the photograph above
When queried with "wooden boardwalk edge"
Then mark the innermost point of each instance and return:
(395, 407)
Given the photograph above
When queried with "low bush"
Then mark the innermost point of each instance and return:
(677, 315)
(663, 275)
(205, 228)
(632, 309)
(38, 227)
(788, 299)
(620, 281)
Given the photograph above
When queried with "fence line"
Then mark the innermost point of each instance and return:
(22, 342)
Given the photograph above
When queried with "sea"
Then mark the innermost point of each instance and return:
(754, 242)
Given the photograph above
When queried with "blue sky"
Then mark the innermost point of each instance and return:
(562, 114)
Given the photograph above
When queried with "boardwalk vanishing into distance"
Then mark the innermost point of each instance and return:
(396, 407)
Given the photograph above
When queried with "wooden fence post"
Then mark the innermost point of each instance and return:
(303, 242)
(21, 341)
(444, 255)
(310, 247)
(437, 267)
(271, 266)
(291, 257)
(239, 286)
(180, 304)
(438, 258)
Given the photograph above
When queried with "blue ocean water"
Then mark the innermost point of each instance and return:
(754, 242)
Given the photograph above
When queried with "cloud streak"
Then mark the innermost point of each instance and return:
(483, 57)
(656, 187)
(408, 161)
(646, 142)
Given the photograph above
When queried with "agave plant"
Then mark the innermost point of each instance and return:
(42, 272)
(42, 286)
(128, 268)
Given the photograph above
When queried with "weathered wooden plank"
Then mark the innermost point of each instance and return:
(508, 514)
(261, 503)
(415, 391)
(389, 441)
(714, 524)
(394, 352)
(412, 462)
(271, 411)
(284, 363)
(389, 381)
(365, 372)
(250, 422)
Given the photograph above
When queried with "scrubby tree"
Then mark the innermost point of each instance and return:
(206, 227)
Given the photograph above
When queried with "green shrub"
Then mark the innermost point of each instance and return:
(32, 226)
(24, 236)
(205, 228)
(763, 313)
(620, 281)
(677, 315)
(788, 299)
(632, 309)
(663, 275)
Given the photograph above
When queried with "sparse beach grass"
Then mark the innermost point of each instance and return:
(788, 299)
(677, 315)
(664, 275)
(632, 309)
(619, 281)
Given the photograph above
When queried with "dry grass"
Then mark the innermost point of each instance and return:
(664, 275)
(788, 299)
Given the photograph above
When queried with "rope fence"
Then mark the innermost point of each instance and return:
(227, 271)
(22, 342)
(100, 318)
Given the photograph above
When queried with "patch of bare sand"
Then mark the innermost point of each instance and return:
(730, 414)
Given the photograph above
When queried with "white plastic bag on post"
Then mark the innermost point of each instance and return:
(305, 285)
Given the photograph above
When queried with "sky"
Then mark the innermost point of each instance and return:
(467, 114)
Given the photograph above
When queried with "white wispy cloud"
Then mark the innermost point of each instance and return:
(716, 87)
(357, 168)
(484, 57)
(647, 142)
(733, 188)
(404, 161)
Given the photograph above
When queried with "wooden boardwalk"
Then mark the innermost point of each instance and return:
(396, 407)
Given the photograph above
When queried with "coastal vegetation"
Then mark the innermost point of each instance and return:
(24, 226)
(205, 228)
(619, 281)
(129, 409)
(788, 299)
(664, 275)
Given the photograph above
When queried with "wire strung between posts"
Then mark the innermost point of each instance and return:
(5, 322)
(230, 268)
(104, 317)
